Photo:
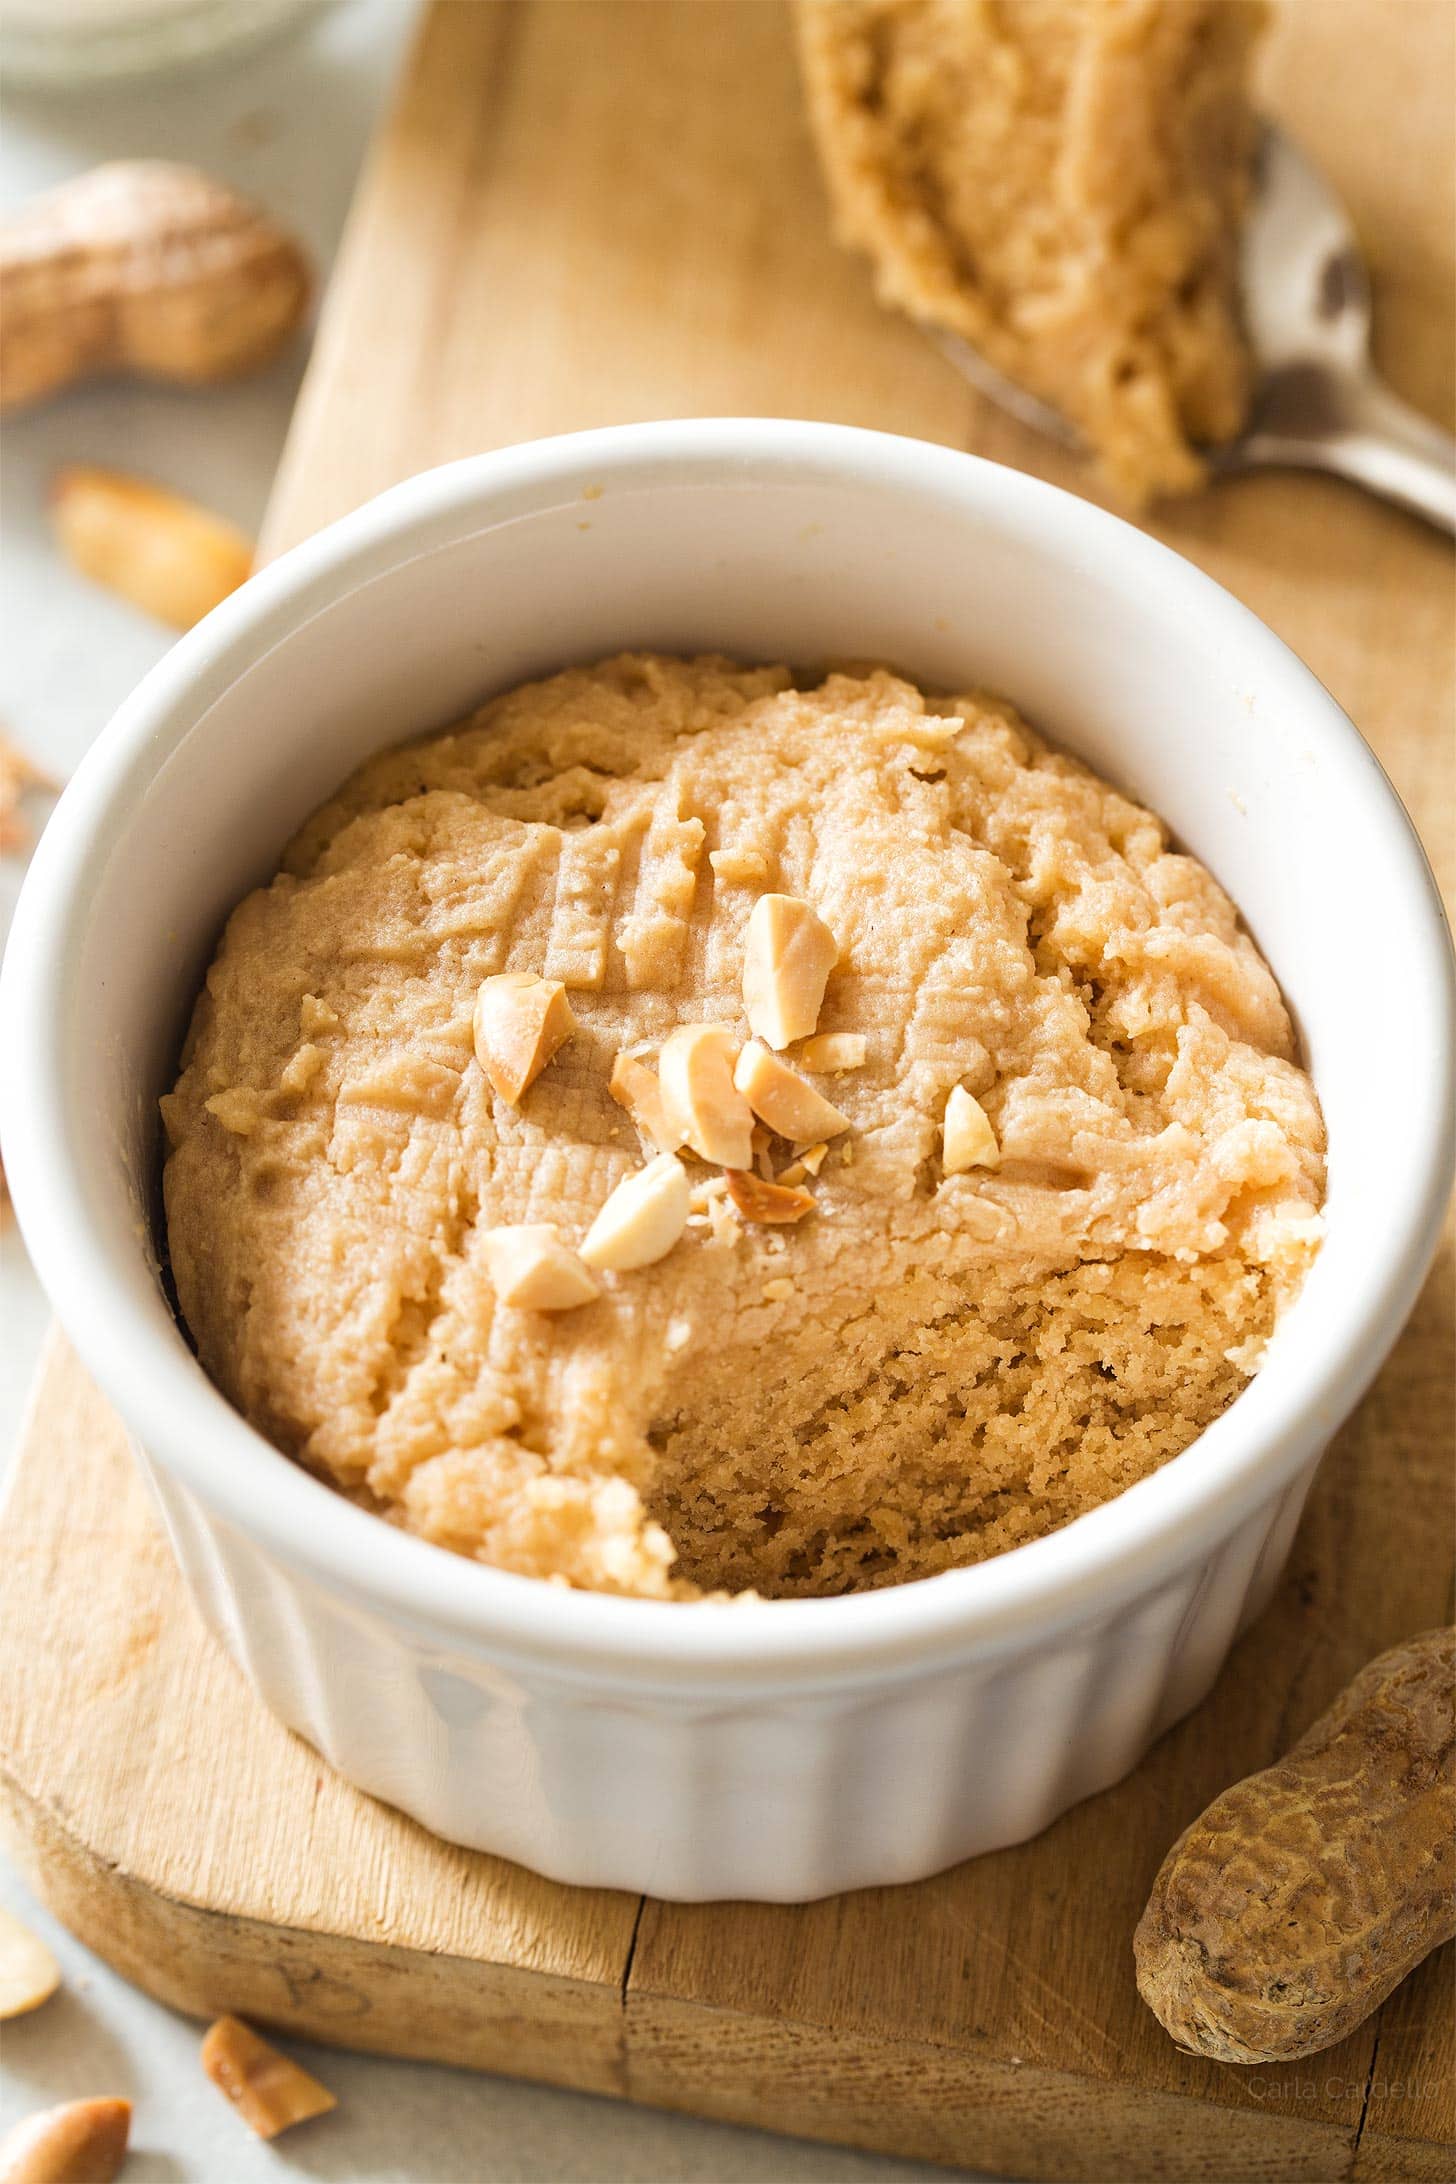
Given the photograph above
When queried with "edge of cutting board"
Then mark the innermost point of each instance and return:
(987, 2016)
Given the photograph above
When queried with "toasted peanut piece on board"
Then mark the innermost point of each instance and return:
(269, 2090)
(19, 774)
(147, 267)
(29, 1974)
(766, 1202)
(82, 2142)
(166, 555)
(699, 1098)
(531, 1269)
(967, 1139)
(787, 957)
(643, 1218)
(520, 1020)
(830, 1053)
(634, 1086)
(1301, 1898)
(779, 1096)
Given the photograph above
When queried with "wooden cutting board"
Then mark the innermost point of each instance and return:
(578, 215)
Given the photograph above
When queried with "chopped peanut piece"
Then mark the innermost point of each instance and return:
(18, 776)
(830, 1053)
(794, 1173)
(29, 1974)
(166, 555)
(787, 957)
(967, 1139)
(723, 1223)
(760, 1201)
(742, 867)
(812, 1158)
(642, 1219)
(270, 2092)
(520, 1021)
(82, 2142)
(779, 1096)
(530, 1268)
(634, 1086)
(699, 1098)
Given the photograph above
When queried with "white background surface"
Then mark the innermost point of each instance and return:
(288, 124)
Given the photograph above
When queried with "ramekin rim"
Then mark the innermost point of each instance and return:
(1114, 1551)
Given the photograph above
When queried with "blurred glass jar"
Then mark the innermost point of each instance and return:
(63, 42)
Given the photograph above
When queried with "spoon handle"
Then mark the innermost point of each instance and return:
(1398, 453)
(1354, 427)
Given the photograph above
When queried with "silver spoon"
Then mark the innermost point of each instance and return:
(1319, 404)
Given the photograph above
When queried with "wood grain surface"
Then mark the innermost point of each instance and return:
(580, 214)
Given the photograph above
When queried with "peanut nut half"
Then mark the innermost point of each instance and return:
(787, 956)
(531, 1269)
(520, 1021)
(774, 1203)
(967, 1139)
(29, 1974)
(642, 1219)
(164, 553)
(779, 1096)
(699, 1098)
(82, 2142)
(269, 2091)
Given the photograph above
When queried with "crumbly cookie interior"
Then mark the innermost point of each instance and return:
(929, 1367)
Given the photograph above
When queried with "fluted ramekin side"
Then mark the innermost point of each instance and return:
(777, 1796)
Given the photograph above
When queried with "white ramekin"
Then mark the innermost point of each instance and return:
(775, 1749)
